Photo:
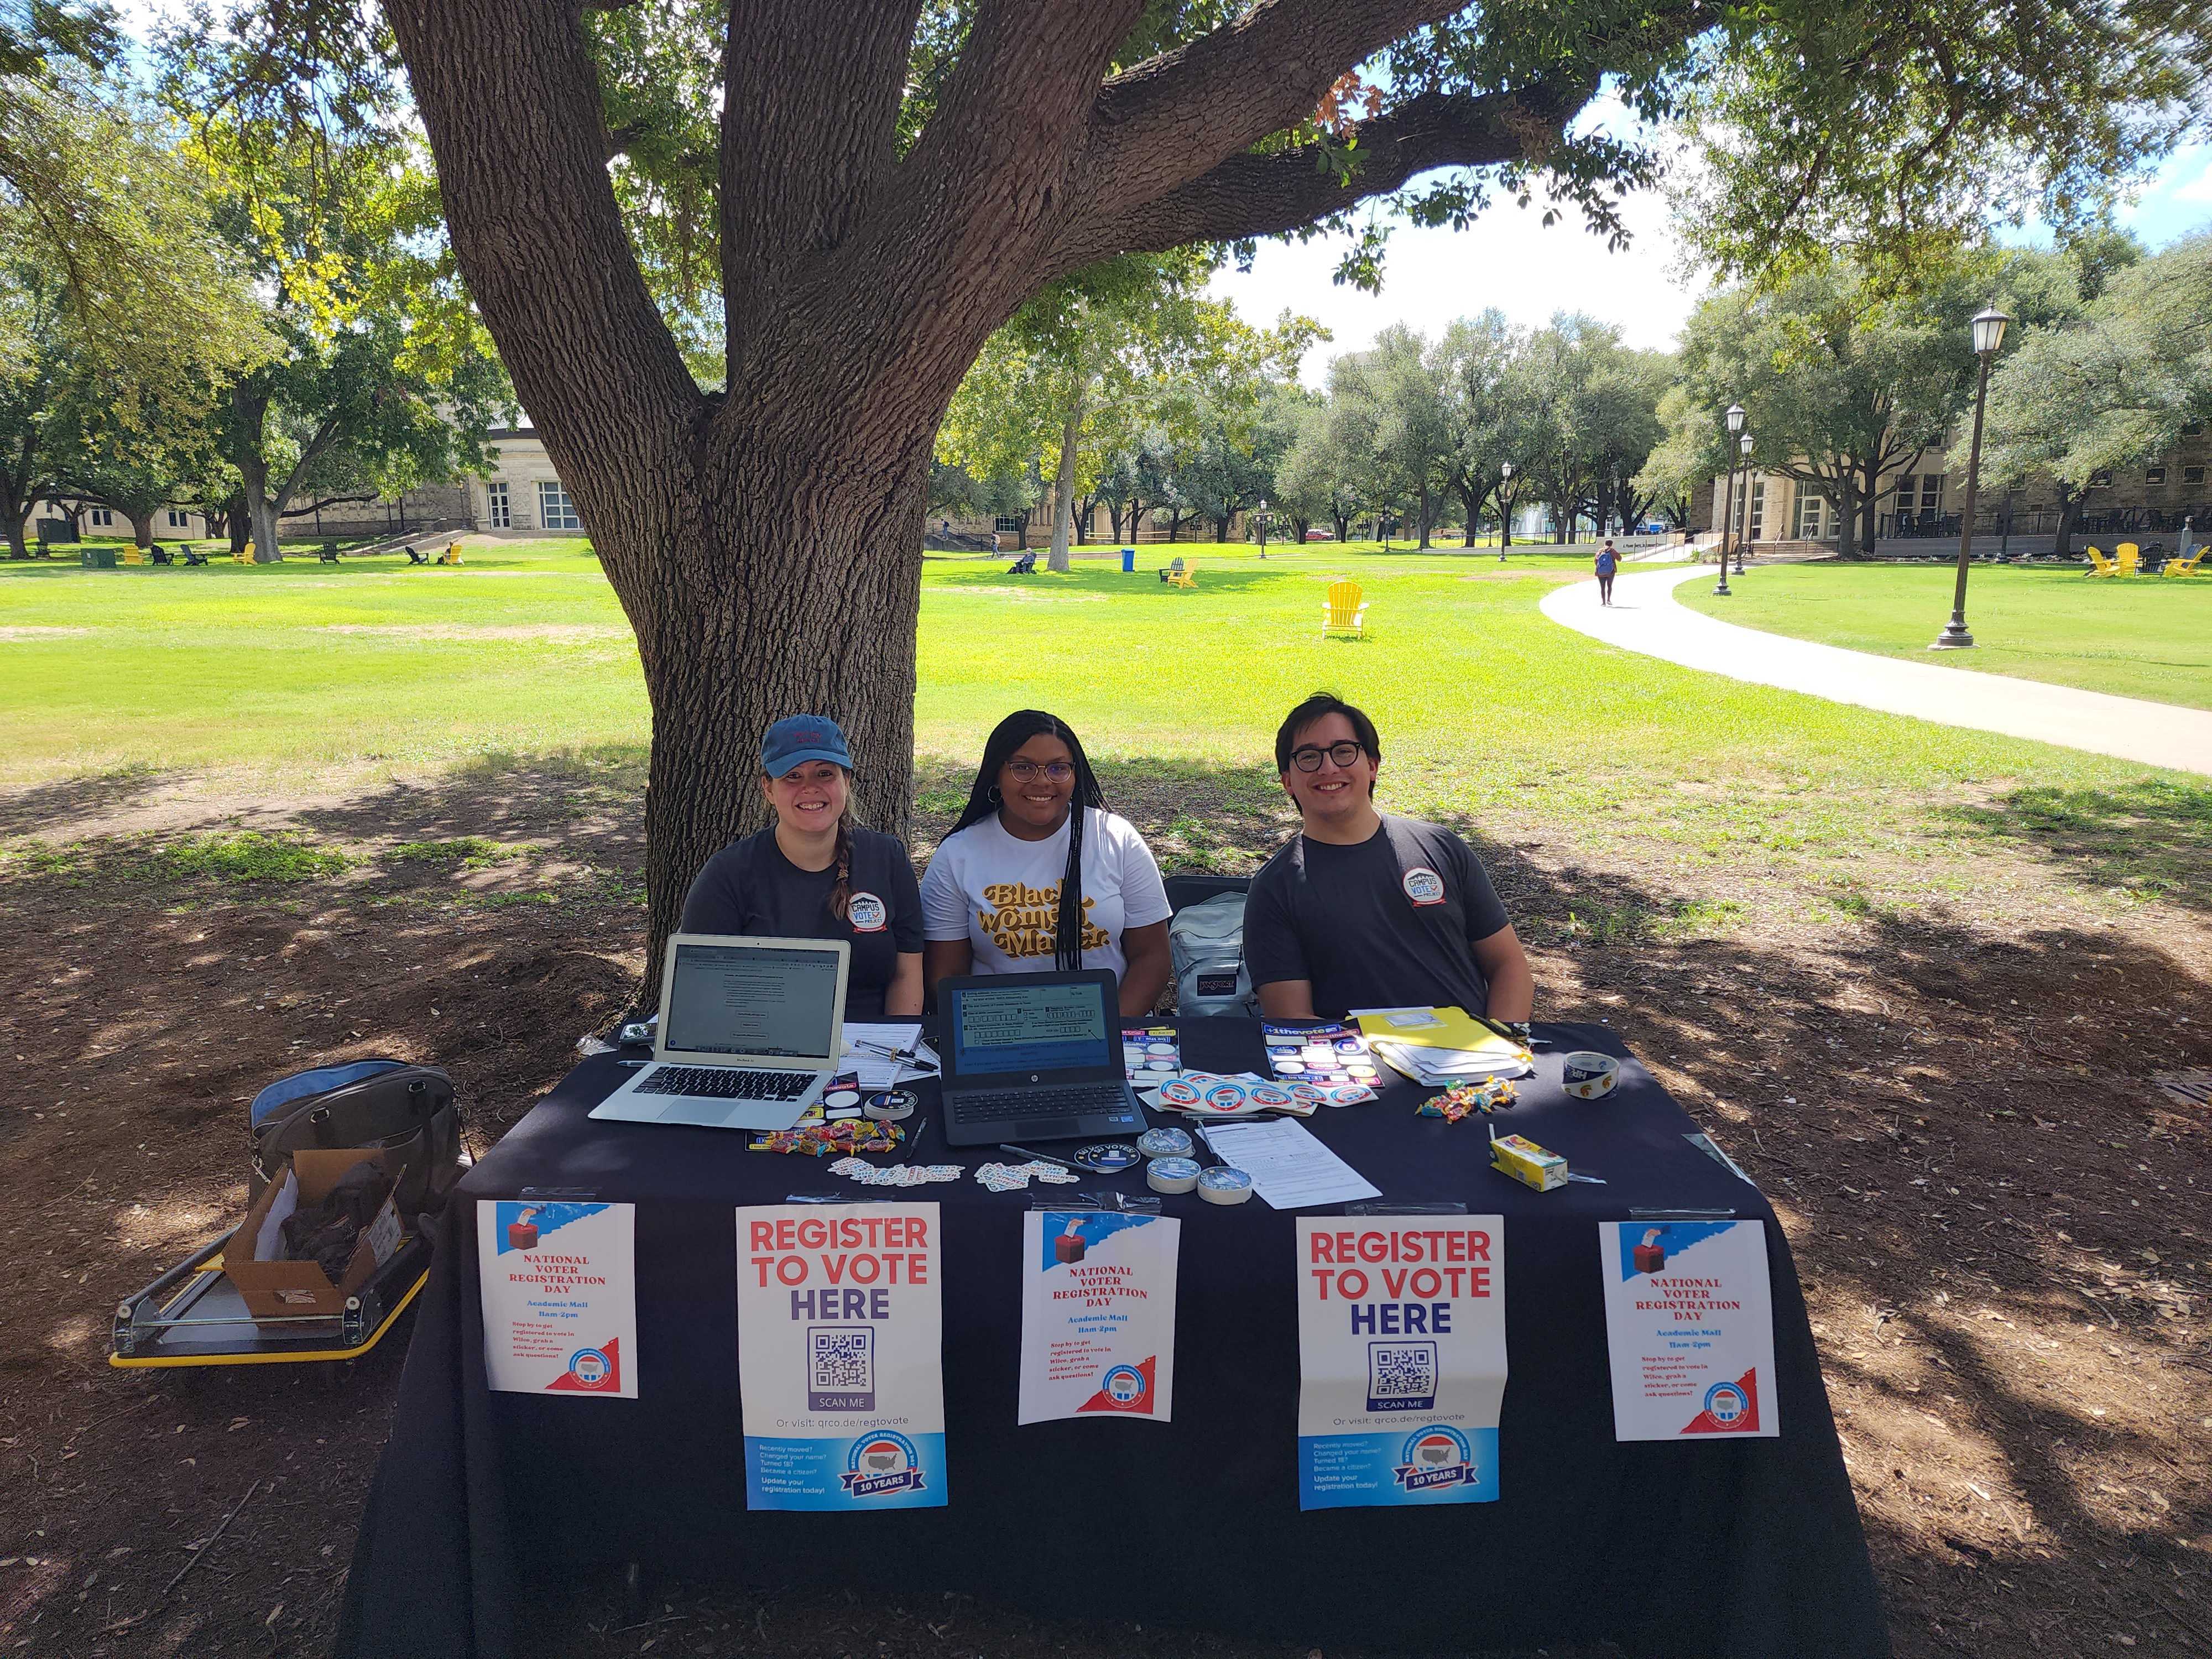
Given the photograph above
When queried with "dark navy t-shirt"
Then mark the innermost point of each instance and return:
(750, 887)
(1388, 923)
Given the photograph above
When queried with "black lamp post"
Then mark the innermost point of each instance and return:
(1504, 508)
(1263, 526)
(1988, 334)
(1728, 512)
(1744, 443)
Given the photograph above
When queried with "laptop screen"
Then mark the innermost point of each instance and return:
(1018, 1024)
(751, 1000)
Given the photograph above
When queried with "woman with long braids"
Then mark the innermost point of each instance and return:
(816, 874)
(1038, 875)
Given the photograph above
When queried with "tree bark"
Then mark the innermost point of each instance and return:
(1428, 510)
(1063, 490)
(142, 528)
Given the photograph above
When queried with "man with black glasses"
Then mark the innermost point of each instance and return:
(1365, 909)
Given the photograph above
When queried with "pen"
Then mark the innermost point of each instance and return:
(1640, 1214)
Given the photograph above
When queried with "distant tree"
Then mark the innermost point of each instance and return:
(1485, 408)
(2113, 387)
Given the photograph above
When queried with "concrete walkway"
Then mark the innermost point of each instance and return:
(1645, 618)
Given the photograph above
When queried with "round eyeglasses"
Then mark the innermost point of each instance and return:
(1344, 754)
(1022, 771)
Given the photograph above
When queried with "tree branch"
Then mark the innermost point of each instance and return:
(1172, 117)
(1261, 195)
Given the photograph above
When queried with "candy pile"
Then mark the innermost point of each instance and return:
(843, 1136)
(1465, 1099)
(894, 1174)
(1013, 1177)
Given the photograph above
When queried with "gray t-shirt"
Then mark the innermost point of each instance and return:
(1388, 923)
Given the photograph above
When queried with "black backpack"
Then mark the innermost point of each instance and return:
(386, 1103)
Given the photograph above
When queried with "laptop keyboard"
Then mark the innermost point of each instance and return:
(726, 1082)
(1075, 1100)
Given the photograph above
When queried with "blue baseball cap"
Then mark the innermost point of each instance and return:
(797, 738)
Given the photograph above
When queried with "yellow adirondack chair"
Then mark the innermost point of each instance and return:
(1345, 613)
(2099, 565)
(2129, 558)
(451, 556)
(244, 555)
(1182, 575)
(2184, 567)
(134, 556)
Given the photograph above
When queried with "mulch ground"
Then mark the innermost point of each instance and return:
(2003, 1225)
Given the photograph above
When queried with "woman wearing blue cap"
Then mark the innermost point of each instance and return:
(816, 874)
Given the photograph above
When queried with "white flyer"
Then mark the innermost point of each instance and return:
(1689, 1325)
(841, 1355)
(558, 1286)
(1098, 1315)
(1401, 1349)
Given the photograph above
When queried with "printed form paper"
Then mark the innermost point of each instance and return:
(1289, 1167)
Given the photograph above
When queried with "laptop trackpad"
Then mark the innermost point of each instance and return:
(757, 1115)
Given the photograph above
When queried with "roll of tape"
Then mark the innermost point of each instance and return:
(891, 1106)
(1171, 1175)
(1165, 1143)
(1223, 1185)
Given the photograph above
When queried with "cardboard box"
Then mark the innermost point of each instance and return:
(275, 1289)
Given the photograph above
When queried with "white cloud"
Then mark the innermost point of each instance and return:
(1508, 259)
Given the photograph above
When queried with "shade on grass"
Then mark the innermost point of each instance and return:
(2141, 636)
(287, 670)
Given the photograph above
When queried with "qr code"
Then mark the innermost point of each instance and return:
(841, 1369)
(1401, 1376)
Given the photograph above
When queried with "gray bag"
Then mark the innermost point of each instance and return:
(1206, 941)
(386, 1103)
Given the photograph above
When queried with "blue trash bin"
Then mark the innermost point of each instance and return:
(1128, 560)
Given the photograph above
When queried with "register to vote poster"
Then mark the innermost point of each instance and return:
(1401, 1343)
(1098, 1315)
(1690, 1329)
(558, 1283)
(840, 1355)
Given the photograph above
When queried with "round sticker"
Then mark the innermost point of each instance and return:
(867, 912)
(1225, 1096)
(1290, 1068)
(1177, 1092)
(1160, 1066)
(1269, 1094)
(1308, 1091)
(1424, 885)
(837, 1097)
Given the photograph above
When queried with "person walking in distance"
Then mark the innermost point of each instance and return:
(1608, 562)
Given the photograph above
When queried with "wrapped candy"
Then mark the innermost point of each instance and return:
(1464, 1100)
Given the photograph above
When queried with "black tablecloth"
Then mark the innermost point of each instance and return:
(1749, 1546)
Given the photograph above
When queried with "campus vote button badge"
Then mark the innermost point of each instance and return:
(867, 913)
(1424, 885)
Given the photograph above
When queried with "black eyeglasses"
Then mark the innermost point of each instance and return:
(1024, 771)
(1343, 754)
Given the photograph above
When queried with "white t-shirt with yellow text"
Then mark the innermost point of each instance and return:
(1001, 894)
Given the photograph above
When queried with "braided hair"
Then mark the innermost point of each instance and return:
(1008, 735)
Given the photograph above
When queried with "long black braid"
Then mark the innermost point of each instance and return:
(1008, 735)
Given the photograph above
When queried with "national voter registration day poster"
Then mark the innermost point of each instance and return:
(1689, 1329)
(840, 1355)
(558, 1286)
(1401, 1346)
(1098, 1315)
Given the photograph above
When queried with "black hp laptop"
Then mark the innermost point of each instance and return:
(1033, 1057)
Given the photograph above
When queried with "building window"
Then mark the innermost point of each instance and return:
(179, 520)
(1811, 519)
(1931, 493)
(555, 510)
(103, 517)
(498, 511)
(2100, 479)
(2154, 474)
(1011, 524)
(2192, 475)
(1904, 487)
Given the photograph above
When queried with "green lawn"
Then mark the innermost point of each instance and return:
(285, 672)
(2140, 636)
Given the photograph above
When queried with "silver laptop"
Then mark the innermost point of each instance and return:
(750, 1031)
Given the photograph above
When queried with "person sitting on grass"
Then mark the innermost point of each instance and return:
(1365, 908)
(814, 873)
(1037, 874)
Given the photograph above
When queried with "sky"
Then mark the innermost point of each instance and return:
(1510, 259)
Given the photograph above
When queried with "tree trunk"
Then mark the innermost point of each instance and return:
(1174, 523)
(1343, 527)
(1113, 522)
(1847, 512)
(1505, 523)
(1063, 491)
(1428, 515)
(1473, 502)
(2069, 510)
(17, 510)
